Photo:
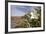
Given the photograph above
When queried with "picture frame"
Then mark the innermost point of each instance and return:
(8, 28)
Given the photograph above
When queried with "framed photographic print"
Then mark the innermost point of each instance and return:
(24, 16)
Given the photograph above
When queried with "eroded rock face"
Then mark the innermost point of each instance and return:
(15, 21)
(19, 22)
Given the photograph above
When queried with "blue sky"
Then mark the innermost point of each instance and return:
(17, 10)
